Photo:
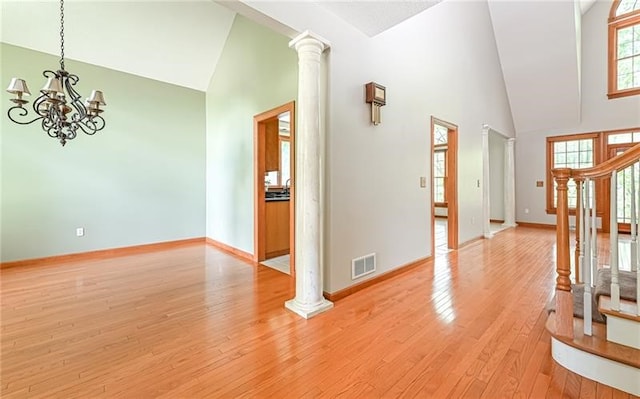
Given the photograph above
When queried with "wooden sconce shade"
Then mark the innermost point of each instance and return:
(376, 95)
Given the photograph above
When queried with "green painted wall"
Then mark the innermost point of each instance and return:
(257, 71)
(140, 180)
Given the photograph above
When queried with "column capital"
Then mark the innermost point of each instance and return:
(511, 140)
(322, 42)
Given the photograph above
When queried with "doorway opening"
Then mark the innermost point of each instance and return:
(274, 188)
(444, 185)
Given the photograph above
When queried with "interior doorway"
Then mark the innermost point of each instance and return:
(444, 185)
(498, 182)
(274, 187)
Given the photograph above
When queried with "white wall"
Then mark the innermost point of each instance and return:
(598, 114)
(496, 175)
(257, 72)
(430, 67)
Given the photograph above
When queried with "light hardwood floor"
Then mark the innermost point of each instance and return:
(195, 322)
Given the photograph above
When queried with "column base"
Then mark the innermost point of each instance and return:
(307, 311)
(509, 225)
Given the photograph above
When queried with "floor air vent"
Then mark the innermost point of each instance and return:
(363, 266)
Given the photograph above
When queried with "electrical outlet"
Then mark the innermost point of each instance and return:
(423, 182)
(80, 232)
(526, 210)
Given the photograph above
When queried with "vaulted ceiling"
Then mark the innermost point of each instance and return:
(179, 42)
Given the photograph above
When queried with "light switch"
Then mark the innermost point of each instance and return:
(423, 182)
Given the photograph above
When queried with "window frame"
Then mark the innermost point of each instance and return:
(615, 24)
(597, 158)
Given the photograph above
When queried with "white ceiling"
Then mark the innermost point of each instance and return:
(373, 17)
(162, 40)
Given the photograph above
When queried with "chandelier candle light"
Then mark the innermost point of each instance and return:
(59, 105)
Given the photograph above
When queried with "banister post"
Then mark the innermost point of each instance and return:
(564, 299)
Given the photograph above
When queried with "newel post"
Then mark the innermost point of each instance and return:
(564, 299)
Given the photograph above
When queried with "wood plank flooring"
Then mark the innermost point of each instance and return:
(195, 322)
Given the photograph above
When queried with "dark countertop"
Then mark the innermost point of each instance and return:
(276, 196)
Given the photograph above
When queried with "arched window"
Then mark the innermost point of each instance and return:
(624, 48)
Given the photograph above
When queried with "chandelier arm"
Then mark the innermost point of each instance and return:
(71, 132)
(91, 125)
(51, 126)
(70, 81)
(23, 112)
(50, 74)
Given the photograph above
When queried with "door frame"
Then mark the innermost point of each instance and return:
(259, 213)
(451, 183)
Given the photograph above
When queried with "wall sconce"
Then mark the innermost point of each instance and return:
(376, 95)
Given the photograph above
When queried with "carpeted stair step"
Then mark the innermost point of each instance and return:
(627, 282)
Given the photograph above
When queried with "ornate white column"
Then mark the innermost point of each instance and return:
(509, 184)
(308, 300)
(486, 186)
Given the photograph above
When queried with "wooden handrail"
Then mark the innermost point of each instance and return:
(622, 161)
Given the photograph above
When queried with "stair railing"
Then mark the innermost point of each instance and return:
(586, 237)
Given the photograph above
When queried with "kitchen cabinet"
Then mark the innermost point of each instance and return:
(272, 145)
(277, 228)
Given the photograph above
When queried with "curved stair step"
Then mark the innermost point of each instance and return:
(595, 357)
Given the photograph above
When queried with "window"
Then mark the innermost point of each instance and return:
(624, 48)
(624, 195)
(576, 151)
(586, 150)
(279, 178)
(439, 175)
(440, 134)
(617, 143)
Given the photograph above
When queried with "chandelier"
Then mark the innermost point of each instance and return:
(59, 106)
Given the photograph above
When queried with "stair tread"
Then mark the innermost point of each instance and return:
(597, 343)
(627, 281)
(628, 309)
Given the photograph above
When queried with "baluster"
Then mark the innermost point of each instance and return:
(578, 259)
(633, 221)
(584, 210)
(594, 236)
(636, 266)
(582, 227)
(613, 257)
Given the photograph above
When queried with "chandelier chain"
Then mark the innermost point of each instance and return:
(62, 34)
